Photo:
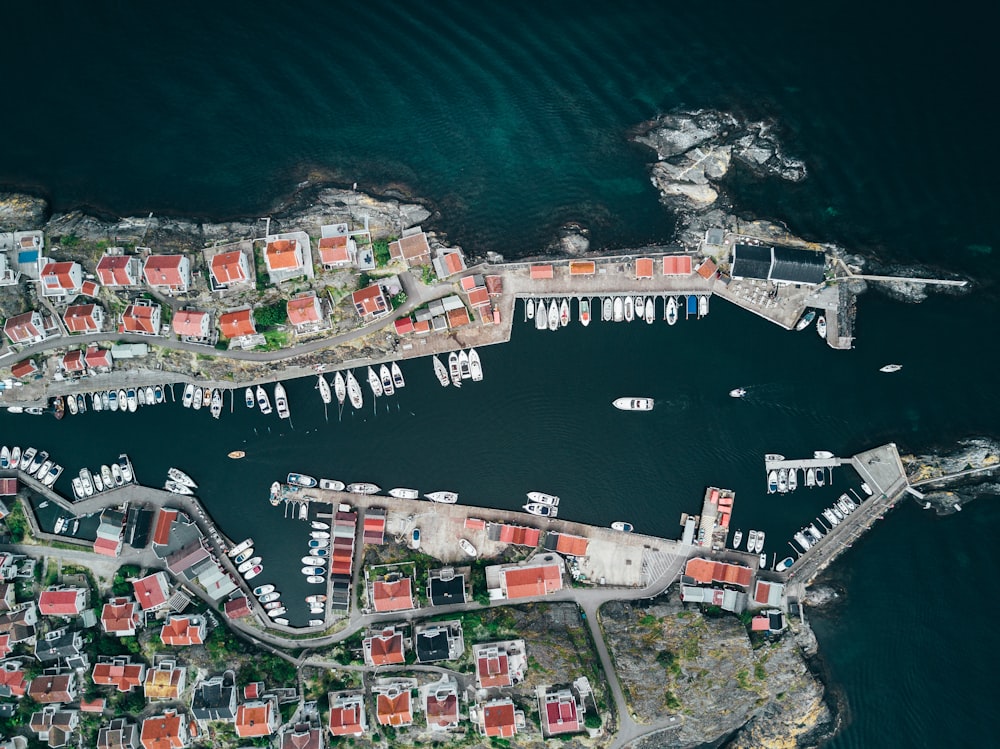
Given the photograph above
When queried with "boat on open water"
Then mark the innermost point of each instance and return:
(633, 404)
(889, 368)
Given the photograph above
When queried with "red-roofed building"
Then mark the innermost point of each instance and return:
(73, 361)
(62, 279)
(27, 328)
(525, 582)
(120, 617)
(305, 312)
(152, 591)
(167, 731)
(164, 521)
(421, 327)
(404, 325)
(93, 706)
(184, 630)
(230, 269)
(492, 666)
(283, 255)
(62, 601)
(519, 535)
(707, 269)
(237, 608)
(394, 706)
(119, 672)
(237, 324)
(392, 596)
(499, 718)
(573, 546)
(677, 265)
(560, 712)
(336, 252)
(99, 359)
(412, 250)
(257, 718)
(347, 714)
(141, 317)
(168, 272)
(108, 547)
(90, 289)
(706, 571)
(6, 646)
(192, 325)
(383, 648)
(582, 268)
(441, 707)
(117, 271)
(449, 263)
(24, 369)
(48, 689)
(768, 594)
(458, 317)
(165, 682)
(370, 302)
(643, 267)
(760, 624)
(479, 298)
(12, 678)
(539, 272)
(84, 318)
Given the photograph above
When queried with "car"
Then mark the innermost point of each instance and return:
(415, 539)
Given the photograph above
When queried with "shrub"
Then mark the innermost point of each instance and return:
(271, 315)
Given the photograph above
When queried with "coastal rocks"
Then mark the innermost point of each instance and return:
(20, 212)
(574, 239)
(979, 458)
(820, 595)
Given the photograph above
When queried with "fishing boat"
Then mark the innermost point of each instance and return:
(763, 560)
(820, 477)
(312, 570)
(263, 590)
(354, 391)
(529, 308)
(650, 310)
(671, 312)
(254, 571)
(545, 511)
(553, 315)
(186, 399)
(175, 488)
(463, 364)
(263, 401)
(544, 499)
(889, 368)
(805, 320)
(440, 371)
(584, 305)
(619, 309)
(176, 474)
(621, 525)
(821, 326)
(243, 556)
(319, 525)
(301, 479)
(782, 480)
(737, 539)
(640, 308)
(62, 406)
(198, 398)
(15, 457)
(385, 376)
(737, 393)
(332, 485)
(759, 546)
(158, 394)
(374, 383)
(633, 404)
(541, 316)
(363, 488)
(793, 479)
(446, 498)
(607, 312)
(131, 399)
(629, 309)
(397, 376)
(453, 368)
(325, 394)
(281, 401)
(236, 454)
(116, 474)
(564, 313)
(216, 405)
(403, 493)
(315, 580)
(468, 548)
(107, 476)
(475, 366)
(751, 541)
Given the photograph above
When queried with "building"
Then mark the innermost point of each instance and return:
(55, 726)
(370, 302)
(499, 718)
(237, 608)
(449, 262)
(384, 647)
(238, 324)
(724, 598)
(445, 586)
(26, 328)
(538, 578)
(230, 269)
(120, 617)
(677, 265)
(165, 682)
(24, 369)
(142, 317)
(439, 641)
(167, 731)
(84, 318)
(302, 736)
(394, 704)
(118, 672)
(305, 312)
(99, 359)
(59, 601)
(13, 682)
(706, 571)
(192, 325)
(441, 705)
(53, 688)
(169, 273)
(347, 714)
(73, 361)
(412, 248)
(61, 646)
(392, 595)
(8, 276)
(288, 256)
(643, 267)
(499, 664)
(118, 734)
(61, 280)
(257, 718)
(119, 271)
(336, 248)
(184, 630)
(19, 624)
(215, 699)
(152, 592)
(560, 711)
(768, 594)
(782, 265)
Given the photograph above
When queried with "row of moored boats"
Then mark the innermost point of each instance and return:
(124, 399)
(35, 463)
(755, 544)
(107, 477)
(834, 515)
(552, 314)
(783, 480)
(462, 365)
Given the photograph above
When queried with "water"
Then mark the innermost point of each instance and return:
(513, 119)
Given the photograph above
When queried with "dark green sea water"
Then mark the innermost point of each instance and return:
(513, 118)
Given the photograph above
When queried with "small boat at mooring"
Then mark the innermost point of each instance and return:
(545, 511)
(374, 383)
(475, 366)
(889, 368)
(456, 373)
(805, 320)
(671, 312)
(186, 401)
(542, 498)
(737, 539)
(301, 479)
(339, 388)
(397, 376)
(248, 397)
(553, 315)
(621, 525)
(463, 365)
(176, 474)
(362, 487)
(564, 313)
(354, 390)
(440, 371)
(281, 401)
(529, 308)
(633, 404)
(629, 309)
(325, 394)
(607, 312)
(650, 310)
(263, 401)
(447, 498)
(821, 326)
(331, 485)
(751, 541)
(584, 305)
(216, 405)
(403, 493)
(386, 377)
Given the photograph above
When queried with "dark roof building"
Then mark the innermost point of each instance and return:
(797, 266)
(446, 587)
(215, 699)
(751, 261)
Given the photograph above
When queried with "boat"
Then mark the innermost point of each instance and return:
(316, 622)
(199, 398)
(96, 403)
(363, 488)
(864, 487)
(325, 394)
(607, 312)
(236, 454)
(810, 478)
(77, 487)
(629, 309)
(81, 403)
(415, 538)
(98, 482)
(312, 570)
(751, 540)
(15, 457)
(650, 310)
(773, 458)
(313, 561)
(759, 546)
(112, 396)
(216, 404)
(845, 510)
(339, 388)
(240, 548)
(60, 523)
(54, 473)
(4, 457)
(545, 499)
(386, 377)
(254, 571)
(273, 606)
(889, 368)
(317, 598)
(621, 525)
(263, 590)
(61, 406)
(374, 382)
(176, 488)
(475, 366)
(319, 543)
(176, 474)
(633, 404)
(117, 475)
(105, 401)
(446, 498)
(440, 371)
(301, 479)
(268, 598)
(702, 305)
(782, 480)
(27, 458)
(821, 326)
(830, 517)
(529, 308)
(820, 477)
(468, 548)
(564, 313)
(584, 305)
(131, 399)
(319, 525)
(737, 539)
(187, 398)
(456, 373)
(403, 493)
(44, 470)
(813, 531)
(763, 560)
(553, 315)
(463, 364)
(281, 401)
(397, 375)
(793, 479)
(545, 511)
(784, 564)
(206, 397)
(253, 561)
(541, 316)
(333, 486)
(107, 476)
(33, 410)
(263, 401)
(150, 395)
(737, 393)
(354, 391)
(640, 308)
(319, 534)
(140, 394)
(823, 455)
(803, 542)
(35, 464)
(243, 556)
(805, 320)
(158, 394)
(315, 579)
(88, 482)
(671, 313)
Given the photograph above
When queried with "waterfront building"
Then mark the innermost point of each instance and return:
(26, 328)
(412, 248)
(118, 672)
(165, 681)
(53, 687)
(118, 271)
(394, 703)
(498, 718)
(120, 617)
(768, 594)
(499, 664)
(643, 268)
(677, 265)
(448, 262)
(239, 327)
(59, 601)
(229, 269)
(193, 325)
(215, 699)
(287, 256)
(61, 280)
(305, 312)
(541, 576)
(560, 711)
(141, 317)
(781, 265)
(257, 718)
(237, 608)
(118, 734)
(84, 318)
(370, 302)
(725, 598)
(540, 272)
(567, 544)
(22, 370)
(707, 269)
(72, 362)
(99, 359)
(184, 630)
(440, 701)
(168, 273)
(517, 535)
(167, 731)
(8, 276)
(458, 317)
(440, 641)
(582, 267)
(337, 249)
(152, 592)
(55, 725)
(385, 647)
(347, 714)
(701, 570)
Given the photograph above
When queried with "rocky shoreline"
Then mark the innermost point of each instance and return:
(973, 453)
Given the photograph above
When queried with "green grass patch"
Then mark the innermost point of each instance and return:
(759, 672)
(743, 679)
(271, 315)
(380, 249)
(17, 523)
(671, 701)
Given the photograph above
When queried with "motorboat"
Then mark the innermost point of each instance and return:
(243, 556)
(105, 401)
(374, 383)
(176, 474)
(529, 308)
(397, 375)
(782, 480)
(773, 458)
(267, 598)
(737, 393)
(822, 455)
(805, 320)
(650, 310)
(206, 397)
(820, 477)
(27, 458)
(866, 489)
(354, 391)
(784, 564)
(821, 326)
(640, 308)
(621, 525)
(150, 395)
(759, 546)
(107, 476)
(245, 566)
(4, 457)
(545, 511)
(186, 400)
(843, 507)
(330, 485)
(584, 305)
(319, 525)
(446, 498)
(81, 403)
(629, 309)
(830, 517)
(112, 396)
(386, 378)
(440, 371)
(98, 482)
(263, 401)
(236, 454)
(199, 398)
(158, 394)
(263, 590)
(415, 538)
(88, 482)
(363, 488)
(59, 525)
(803, 542)
(475, 366)
(325, 394)
(301, 479)
(140, 394)
(116, 474)
(751, 541)
(737, 539)
(175, 488)
(315, 580)
(541, 316)
(403, 493)
(319, 534)
(468, 548)
(793, 479)
(702, 305)
(553, 315)
(814, 531)
(15, 457)
(44, 469)
(281, 401)
(890, 368)
(463, 365)
(810, 478)
(215, 407)
(77, 485)
(633, 404)
(850, 502)
(312, 570)
(542, 498)
(254, 571)
(763, 561)
(131, 400)
(318, 598)
(454, 369)
(54, 473)
(273, 605)
(607, 309)
(671, 313)
(61, 406)
(240, 548)
(314, 561)
(96, 403)
(37, 462)
(564, 313)
(319, 543)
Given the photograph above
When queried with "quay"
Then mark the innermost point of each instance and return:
(804, 463)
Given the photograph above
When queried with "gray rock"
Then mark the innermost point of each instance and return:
(20, 212)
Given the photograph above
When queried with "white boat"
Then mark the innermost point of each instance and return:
(545, 499)
(784, 564)
(564, 313)
(98, 483)
(751, 540)
(43, 471)
(263, 590)
(27, 458)
(702, 305)
(35, 463)
(319, 525)
(315, 580)
(633, 404)
(15, 457)
(386, 378)
(339, 388)
(545, 511)
(311, 561)
(140, 394)
(354, 391)
(403, 493)
(453, 368)
(629, 309)
(831, 518)
(440, 371)
(263, 401)
(773, 458)
(553, 315)
(319, 598)
(763, 560)
(822, 455)
(446, 498)
(130, 399)
(4, 457)
(176, 474)
(475, 366)
(650, 310)
(671, 312)
(803, 542)
(150, 395)
(640, 308)
(245, 566)
(301, 479)
(866, 489)
(584, 305)
(254, 571)
(618, 313)
(463, 365)
(821, 326)
(319, 543)
(374, 383)
(270, 600)
(782, 480)
(117, 475)
(240, 548)
(77, 485)
(54, 473)
(316, 622)
(321, 535)
(71, 406)
(759, 546)
(60, 524)
(88, 482)
(312, 570)
(325, 394)
(813, 531)
(112, 396)
(415, 538)
(844, 508)
(737, 393)
(810, 478)
(529, 308)
(363, 488)
(206, 397)
(467, 547)
(198, 398)
(541, 316)
(621, 525)
(737, 539)
(96, 403)
(607, 309)
(397, 376)
(281, 401)
(243, 556)
(820, 477)
(804, 321)
(889, 368)
(331, 485)
(793, 479)
(186, 400)
(107, 476)
(248, 397)
(175, 488)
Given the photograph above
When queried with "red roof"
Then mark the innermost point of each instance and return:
(499, 720)
(582, 268)
(574, 546)
(98, 357)
(119, 616)
(475, 524)
(493, 670)
(113, 270)
(124, 676)
(523, 582)
(5, 645)
(404, 325)
(13, 679)
(369, 300)
(561, 715)
(237, 608)
(236, 324)
(151, 591)
(421, 326)
(23, 327)
(138, 318)
(643, 267)
(468, 283)
(59, 275)
(458, 317)
(334, 250)
(411, 248)
(479, 297)
(190, 323)
(51, 688)
(706, 571)
(164, 270)
(65, 602)
(303, 310)
(494, 284)
(760, 624)
(394, 596)
(520, 535)
(182, 630)
(677, 265)
(227, 268)
(394, 711)
(281, 254)
(254, 719)
(541, 271)
(107, 547)
(24, 368)
(346, 720)
(80, 318)
(762, 592)
(442, 710)
(163, 731)
(93, 706)
(73, 361)
(89, 288)
(161, 531)
(707, 269)
(386, 648)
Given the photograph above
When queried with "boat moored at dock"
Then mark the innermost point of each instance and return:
(397, 375)
(325, 394)
(404, 493)
(281, 401)
(385, 376)
(248, 397)
(332, 485)
(584, 305)
(545, 499)
(671, 311)
(621, 525)
(301, 479)
(475, 366)
(363, 488)
(545, 511)
(263, 401)
(374, 383)
(448, 498)
(456, 373)
(354, 391)
(240, 548)
(339, 388)
(441, 371)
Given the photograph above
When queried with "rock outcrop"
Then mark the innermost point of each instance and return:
(945, 499)
(20, 212)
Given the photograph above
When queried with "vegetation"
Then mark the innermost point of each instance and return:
(399, 300)
(274, 339)
(17, 523)
(271, 316)
(380, 248)
(671, 701)
(743, 679)
(121, 586)
(592, 720)
(759, 672)
(427, 275)
(364, 280)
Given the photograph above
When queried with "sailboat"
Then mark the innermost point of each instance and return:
(585, 312)
(541, 316)
(324, 389)
(354, 390)
(553, 315)
(475, 366)
(650, 310)
(281, 401)
(441, 371)
(339, 388)
(374, 382)
(671, 310)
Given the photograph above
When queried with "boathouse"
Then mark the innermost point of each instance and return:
(784, 265)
